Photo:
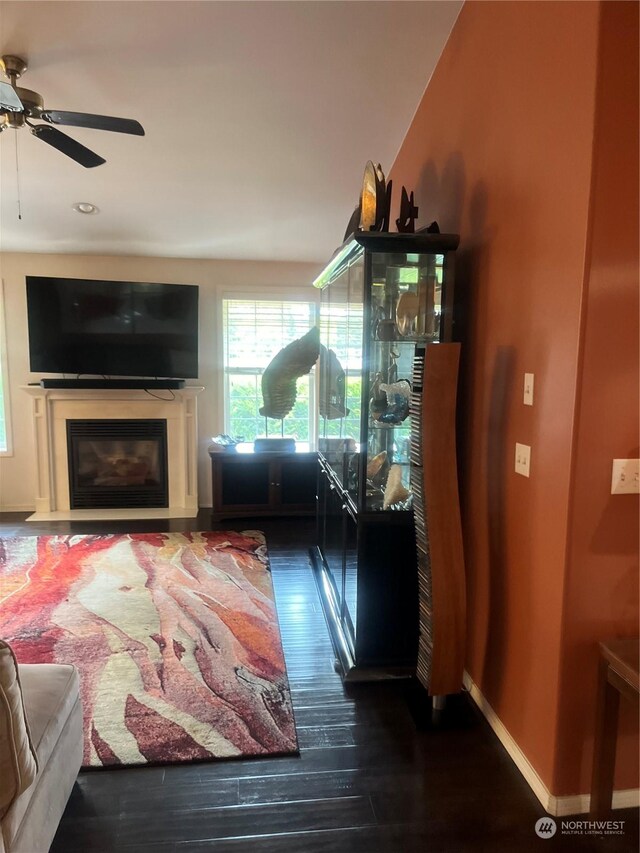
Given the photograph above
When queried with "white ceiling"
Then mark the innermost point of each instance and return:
(259, 118)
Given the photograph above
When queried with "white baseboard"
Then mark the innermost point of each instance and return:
(556, 806)
(579, 803)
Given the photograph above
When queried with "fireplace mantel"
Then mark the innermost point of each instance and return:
(53, 407)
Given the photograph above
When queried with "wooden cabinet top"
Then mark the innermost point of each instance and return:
(245, 453)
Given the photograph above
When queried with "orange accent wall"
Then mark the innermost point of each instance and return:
(601, 592)
(501, 150)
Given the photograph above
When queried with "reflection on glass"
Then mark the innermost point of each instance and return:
(351, 574)
(340, 403)
(331, 403)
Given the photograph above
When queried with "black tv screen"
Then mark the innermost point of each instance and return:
(112, 328)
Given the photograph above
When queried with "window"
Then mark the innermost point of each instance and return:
(254, 332)
(5, 426)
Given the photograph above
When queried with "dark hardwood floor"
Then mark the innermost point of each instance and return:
(374, 774)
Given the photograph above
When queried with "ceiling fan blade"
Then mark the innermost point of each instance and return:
(67, 145)
(8, 98)
(117, 125)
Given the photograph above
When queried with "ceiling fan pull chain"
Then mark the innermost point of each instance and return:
(15, 136)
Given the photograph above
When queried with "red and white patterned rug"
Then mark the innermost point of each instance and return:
(175, 636)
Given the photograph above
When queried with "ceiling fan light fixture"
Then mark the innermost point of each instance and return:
(18, 105)
(85, 207)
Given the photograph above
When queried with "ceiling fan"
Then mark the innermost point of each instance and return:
(18, 107)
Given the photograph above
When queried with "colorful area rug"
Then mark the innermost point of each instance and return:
(175, 636)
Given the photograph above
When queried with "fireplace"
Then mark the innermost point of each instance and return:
(117, 463)
(54, 408)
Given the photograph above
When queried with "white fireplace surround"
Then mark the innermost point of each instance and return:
(53, 407)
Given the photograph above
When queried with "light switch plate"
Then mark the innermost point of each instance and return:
(528, 389)
(625, 477)
(523, 459)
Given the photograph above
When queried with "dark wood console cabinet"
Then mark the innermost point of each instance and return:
(246, 484)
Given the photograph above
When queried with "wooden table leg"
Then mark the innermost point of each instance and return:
(604, 745)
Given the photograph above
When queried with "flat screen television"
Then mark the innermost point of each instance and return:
(112, 328)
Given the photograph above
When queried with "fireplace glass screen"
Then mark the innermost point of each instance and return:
(117, 463)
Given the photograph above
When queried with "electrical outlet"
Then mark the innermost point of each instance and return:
(528, 389)
(625, 477)
(523, 459)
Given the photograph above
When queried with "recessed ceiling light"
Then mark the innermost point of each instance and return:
(85, 207)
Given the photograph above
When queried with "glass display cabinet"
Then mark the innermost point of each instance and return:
(381, 296)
